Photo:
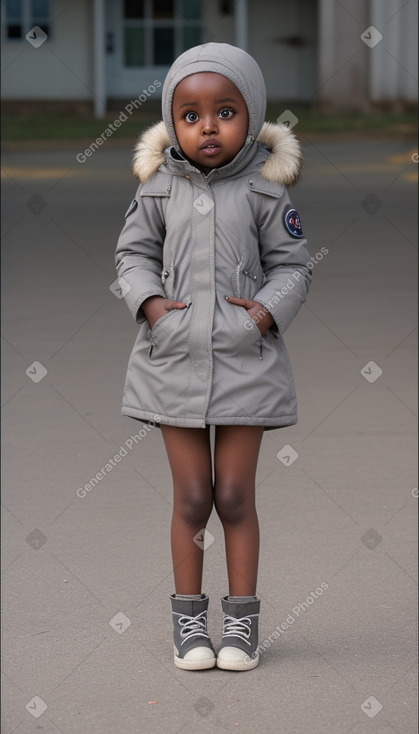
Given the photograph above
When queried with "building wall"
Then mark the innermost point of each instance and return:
(282, 37)
(309, 51)
(394, 63)
(343, 57)
(218, 27)
(353, 74)
(59, 69)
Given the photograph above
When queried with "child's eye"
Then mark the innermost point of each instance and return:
(226, 113)
(191, 117)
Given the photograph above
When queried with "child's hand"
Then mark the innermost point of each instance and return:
(256, 311)
(156, 306)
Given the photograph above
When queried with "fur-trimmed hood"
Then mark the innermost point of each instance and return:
(221, 58)
(283, 165)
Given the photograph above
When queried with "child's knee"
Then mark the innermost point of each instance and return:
(194, 505)
(233, 502)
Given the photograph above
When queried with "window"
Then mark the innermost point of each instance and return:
(155, 32)
(20, 16)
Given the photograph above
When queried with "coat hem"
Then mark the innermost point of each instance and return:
(269, 424)
(148, 417)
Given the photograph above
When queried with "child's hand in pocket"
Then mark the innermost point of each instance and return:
(256, 311)
(156, 306)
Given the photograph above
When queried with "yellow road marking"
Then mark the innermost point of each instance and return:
(362, 168)
(411, 177)
(392, 164)
(38, 173)
(401, 158)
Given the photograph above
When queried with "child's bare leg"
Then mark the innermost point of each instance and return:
(189, 454)
(236, 456)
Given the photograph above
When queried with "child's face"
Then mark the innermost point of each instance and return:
(210, 118)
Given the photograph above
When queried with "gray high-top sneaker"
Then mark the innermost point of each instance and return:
(192, 646)
(239, 643)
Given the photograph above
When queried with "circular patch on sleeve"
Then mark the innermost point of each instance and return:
(131, 209)
(293, 223)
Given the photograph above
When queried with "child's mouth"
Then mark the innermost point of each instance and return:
(210, 148)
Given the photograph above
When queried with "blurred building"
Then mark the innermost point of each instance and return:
(93, 53)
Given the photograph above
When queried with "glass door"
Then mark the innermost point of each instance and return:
(143, 37)
(155, 32)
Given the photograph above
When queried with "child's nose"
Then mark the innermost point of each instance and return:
(209, 125)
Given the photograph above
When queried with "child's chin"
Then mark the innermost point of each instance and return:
(215, 161)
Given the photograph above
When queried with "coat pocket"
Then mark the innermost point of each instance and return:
(159, 321)
(254, 334)
(167, 335)
(249, 324)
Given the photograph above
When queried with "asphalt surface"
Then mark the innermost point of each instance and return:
(87, 574)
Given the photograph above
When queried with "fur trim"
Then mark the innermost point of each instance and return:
(285, 161)
(149, 152)
(283, 165)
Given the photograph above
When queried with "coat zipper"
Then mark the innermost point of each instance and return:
(151, 347)
(236, 282)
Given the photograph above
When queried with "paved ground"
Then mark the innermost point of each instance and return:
(86, 579)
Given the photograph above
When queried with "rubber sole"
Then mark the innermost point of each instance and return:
(239, 665)
(194, 664)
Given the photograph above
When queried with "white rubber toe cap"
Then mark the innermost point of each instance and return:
(232, 658)
(199, 658)
(199, 653)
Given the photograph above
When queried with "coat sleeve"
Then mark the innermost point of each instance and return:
(285, 261)
(139, 252)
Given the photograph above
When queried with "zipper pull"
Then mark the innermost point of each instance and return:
(165, 274)
(260, 348)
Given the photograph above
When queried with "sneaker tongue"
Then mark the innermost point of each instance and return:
(189, 606)
(240, 606)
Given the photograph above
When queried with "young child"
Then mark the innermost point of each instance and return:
(214, 267)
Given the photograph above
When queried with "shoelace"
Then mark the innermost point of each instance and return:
(192, 626)
(237, 627)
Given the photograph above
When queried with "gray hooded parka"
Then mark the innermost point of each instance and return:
(196, 238)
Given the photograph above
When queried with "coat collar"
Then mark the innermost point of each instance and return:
(282, 166)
